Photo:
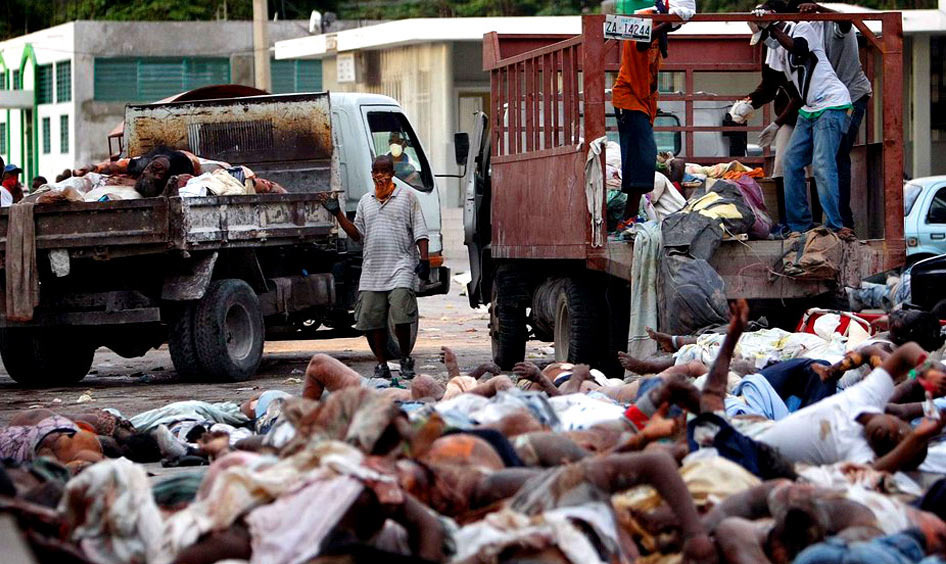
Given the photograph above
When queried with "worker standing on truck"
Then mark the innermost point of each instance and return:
(391, 228)
(840, 44)
(821, 124)
(634, 97)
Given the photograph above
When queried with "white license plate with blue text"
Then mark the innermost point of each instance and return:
(627, 28)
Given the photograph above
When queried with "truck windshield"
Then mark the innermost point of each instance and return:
(391, 134)
(911, 192)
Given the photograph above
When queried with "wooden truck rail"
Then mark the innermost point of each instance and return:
(105, 230)
(558, 85)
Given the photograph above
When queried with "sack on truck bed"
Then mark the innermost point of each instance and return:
(692, 296)
(814, 255)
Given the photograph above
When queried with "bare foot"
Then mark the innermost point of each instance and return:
(632, 364)
(664, 341)
(449, 359)
(486, 368)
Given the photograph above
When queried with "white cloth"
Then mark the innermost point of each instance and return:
(663, 200)
(112, 514)
(827, 432)
(594, 189)
(579, 411)
(6, 198)
(647, 245)
(815, 79)
(782, 137)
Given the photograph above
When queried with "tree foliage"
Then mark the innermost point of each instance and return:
(24, 16)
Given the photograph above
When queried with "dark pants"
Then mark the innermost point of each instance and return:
(638, 152)
(844, 161)
(796, 378)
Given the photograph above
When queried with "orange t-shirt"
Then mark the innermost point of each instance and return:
(636, 84)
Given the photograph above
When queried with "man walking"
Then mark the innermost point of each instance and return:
(390, 226)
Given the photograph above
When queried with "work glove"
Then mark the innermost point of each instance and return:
(331, 204)
(767, 135)
(759, 12)
(423, 270)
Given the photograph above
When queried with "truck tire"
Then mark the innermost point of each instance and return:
(507, 319)
(45, 359)
(580, 324)
(228, 331)
(181, 343)
(393, 350)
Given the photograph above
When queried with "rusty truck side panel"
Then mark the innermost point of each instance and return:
(285, 138)
(548, 101)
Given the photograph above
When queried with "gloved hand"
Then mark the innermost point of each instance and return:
(759, 12)
(423, 270)
(767, 135)
(331, 204)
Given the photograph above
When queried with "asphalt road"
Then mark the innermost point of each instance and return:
(135, 385)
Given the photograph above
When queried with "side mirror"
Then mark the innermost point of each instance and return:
(461, 145)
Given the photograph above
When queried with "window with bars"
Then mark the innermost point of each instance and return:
(3, 80)
(146, 79)
(3, 138)
(64, 134)
(44, 84)
(17, 85)
(64, 81)
(47, 137)
(296, 76)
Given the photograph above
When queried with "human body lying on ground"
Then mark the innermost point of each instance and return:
(553, 464)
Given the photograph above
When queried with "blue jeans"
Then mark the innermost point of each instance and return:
(814, 142)
(844, 160)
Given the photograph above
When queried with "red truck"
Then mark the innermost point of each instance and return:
(535, 257)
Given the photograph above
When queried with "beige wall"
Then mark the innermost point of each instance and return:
(420, 78)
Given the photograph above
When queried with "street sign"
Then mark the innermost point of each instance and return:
(627, 28)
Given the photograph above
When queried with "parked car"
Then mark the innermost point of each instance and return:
(924, 217)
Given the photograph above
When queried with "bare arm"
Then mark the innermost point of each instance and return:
(425, 532)
(714, 392)
(348, 227)
(422, 245)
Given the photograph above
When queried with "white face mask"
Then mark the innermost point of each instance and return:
(396, 150)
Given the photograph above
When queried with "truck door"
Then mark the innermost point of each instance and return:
(932, 230)
(476, 224)
(387, 126)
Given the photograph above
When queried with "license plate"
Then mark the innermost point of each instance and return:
(627, 28)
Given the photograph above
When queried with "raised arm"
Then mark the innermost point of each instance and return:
(714, 392)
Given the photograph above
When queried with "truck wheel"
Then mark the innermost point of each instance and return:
(181, 342)
(45, 359)
(507, 319)
(228, 331)
(580, 331)
(393, 351)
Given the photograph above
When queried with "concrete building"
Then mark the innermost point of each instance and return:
(434, 68)
(64, 88)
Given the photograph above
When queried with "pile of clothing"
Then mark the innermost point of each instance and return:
(763, 445)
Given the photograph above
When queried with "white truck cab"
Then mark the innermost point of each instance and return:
(365, 126)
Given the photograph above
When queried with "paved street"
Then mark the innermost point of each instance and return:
(135, 385)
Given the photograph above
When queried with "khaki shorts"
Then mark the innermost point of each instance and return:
(374, 308)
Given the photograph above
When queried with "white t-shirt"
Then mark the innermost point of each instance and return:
(6, 198)
(813, 77)
(828, 432)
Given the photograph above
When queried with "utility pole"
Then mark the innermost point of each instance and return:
(261, 45)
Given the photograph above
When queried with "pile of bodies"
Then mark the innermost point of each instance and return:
(161, 171)
(741, 446)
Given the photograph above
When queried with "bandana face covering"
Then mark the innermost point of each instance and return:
(383, 187)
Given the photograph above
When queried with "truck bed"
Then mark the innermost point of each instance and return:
(745, 267)
(155, 225)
